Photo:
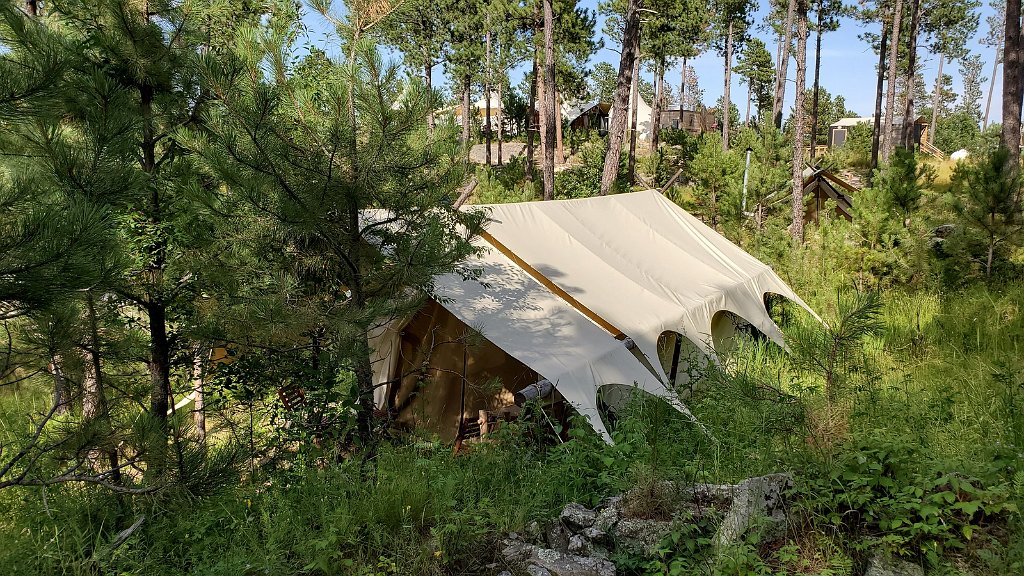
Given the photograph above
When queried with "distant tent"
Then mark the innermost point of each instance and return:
(644, 114)
(586, 294)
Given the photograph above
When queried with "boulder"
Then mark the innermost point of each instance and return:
(557, 537)
(576, 517)
(755, 501)
(640, 536)
(579, 545)
(606, 518)
(884, 564)
(539, 561)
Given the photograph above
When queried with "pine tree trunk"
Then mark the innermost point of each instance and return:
(200, 359)
(487, 96)
(534, 86)
(658, 106)
(797, 229)
(501, 120)
(1012, 89)
(726, 98)
(631, 163)
(992, 82)
(876, 134)
(780, 80)
(935, 101)
(94, 397)
(61, 389)
(547, 140)
(427, 82)
(467, 119)
(559, 150)
(907, 136)
(750, 90)
(890, 96)
(156, 307)
(682, 93)
(623, 87)
(817, 75)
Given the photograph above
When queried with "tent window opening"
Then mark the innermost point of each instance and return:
(728, 329)
(682, 360)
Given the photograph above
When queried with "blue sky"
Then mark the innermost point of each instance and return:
(847, 63)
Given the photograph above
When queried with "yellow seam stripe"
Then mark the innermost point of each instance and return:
(618, 334)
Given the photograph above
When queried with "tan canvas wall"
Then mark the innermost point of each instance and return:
(451, 349)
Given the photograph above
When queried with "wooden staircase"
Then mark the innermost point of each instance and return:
(932, 150)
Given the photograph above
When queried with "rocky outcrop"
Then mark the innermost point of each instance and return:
(580, 540)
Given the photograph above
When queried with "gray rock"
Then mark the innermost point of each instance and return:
(640, 536)
(579, 545)
(504, 573)
(576, 517)
(561, 564)
(883, 564)
(606, 518)
(594, 534)
(539, 561)
(534, 532)
(557, 537)
(755, 501)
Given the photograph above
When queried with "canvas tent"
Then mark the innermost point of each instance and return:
(564, 287)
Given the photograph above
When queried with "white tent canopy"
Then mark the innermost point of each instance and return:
(637, 261)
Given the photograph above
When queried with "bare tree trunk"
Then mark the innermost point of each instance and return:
(726, 98)
(780, 80)
(658, 107)
(623, 87)
(682, 93)
(559, 150)
(907, 137)
(427, 82)
(534, 86)
(487, 94)
(199, 360)
(750, 90)
(61, 389)
(876, 134)
(817, 74)
(547, 140)
(501, 119)
(797, 229)
(935, 101)
(631, 165)
(1012, 89)
(992, 82)
(94, 397)
(890, 96)
(467, 119)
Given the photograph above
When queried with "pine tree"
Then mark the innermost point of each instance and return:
(732, 21)
(796, 229)
(616, 132)
(1013, 83)
(756, 68)
(994, 38)
(971, 78)
(360, 202)
(827, 20)
(988, 198)
(950, 24)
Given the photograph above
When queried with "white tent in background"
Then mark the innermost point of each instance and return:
(581, 293)
(644, 113)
